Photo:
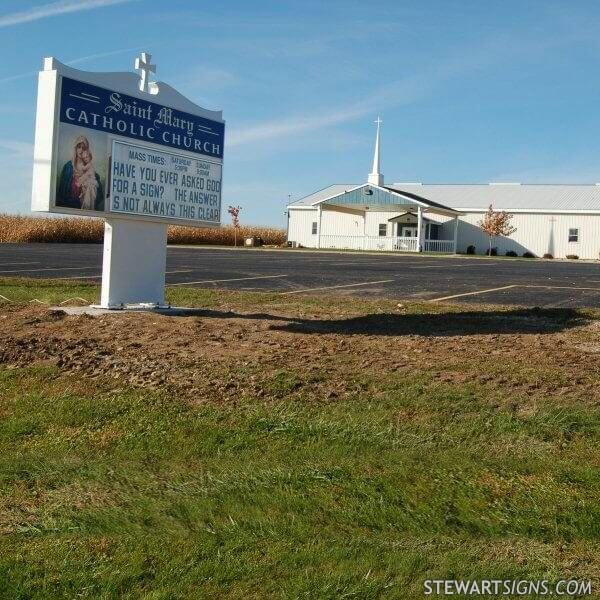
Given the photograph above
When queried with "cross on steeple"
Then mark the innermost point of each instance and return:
(143, 65)
(375, 177)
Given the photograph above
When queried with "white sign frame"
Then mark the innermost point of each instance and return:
(45, 169)
(135, 246)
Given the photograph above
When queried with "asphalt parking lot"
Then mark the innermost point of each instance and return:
(290, 272)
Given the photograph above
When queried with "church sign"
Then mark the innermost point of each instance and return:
(135, 152)
(93, 107)
(116, 150)
(164, 184)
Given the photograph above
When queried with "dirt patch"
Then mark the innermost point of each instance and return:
(225, 355)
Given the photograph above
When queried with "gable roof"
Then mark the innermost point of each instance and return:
(464, 197)
(367, 193)
(422, 199)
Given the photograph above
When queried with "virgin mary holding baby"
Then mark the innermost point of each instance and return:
(79, 185)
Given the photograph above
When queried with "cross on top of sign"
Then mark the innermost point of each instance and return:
(143, 64)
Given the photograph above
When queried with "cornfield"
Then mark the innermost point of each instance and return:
(17, 229)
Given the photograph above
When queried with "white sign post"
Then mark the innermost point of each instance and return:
(135, 152)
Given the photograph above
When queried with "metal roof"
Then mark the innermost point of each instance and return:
(507, 196)
(324, 194)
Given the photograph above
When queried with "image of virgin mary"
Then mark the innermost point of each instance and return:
(73, 186)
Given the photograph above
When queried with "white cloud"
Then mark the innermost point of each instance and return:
(53, 9)
(403, 91)
(19, 76)
(75, 61)
(16, 149)
(91, 57)
(294, 124)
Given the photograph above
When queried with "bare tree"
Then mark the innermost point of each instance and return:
(234, 211)
(496, 223)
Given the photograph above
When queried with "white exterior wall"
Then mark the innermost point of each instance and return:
(374, 218)
(300, 226)
(347, 222)
(539, 233)
(342, 221)
(536, 232)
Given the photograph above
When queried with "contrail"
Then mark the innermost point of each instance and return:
(54, 8)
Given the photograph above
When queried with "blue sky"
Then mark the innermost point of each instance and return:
(469, 91)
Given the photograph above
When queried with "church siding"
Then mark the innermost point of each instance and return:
(538, 233)
(300, 227)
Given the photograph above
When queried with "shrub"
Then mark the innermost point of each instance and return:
(17, 229)
(548, 255)
(471, 250)
(528, 255)
(572, 256)
(511, 253)
(491, 252)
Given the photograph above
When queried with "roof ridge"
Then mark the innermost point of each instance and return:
(399, 183)
(320, 190)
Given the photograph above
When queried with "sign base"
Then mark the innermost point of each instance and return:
(134, 264)
(96, 311)
(139, 307)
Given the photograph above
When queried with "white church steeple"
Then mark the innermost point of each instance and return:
(375, 177)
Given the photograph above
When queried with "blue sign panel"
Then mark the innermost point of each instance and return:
(94, 107)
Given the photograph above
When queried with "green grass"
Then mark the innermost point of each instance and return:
(124, 493)
(121, 494)
(53, 292)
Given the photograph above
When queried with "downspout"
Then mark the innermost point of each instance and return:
(455, 232)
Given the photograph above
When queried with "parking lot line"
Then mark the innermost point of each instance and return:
(81, 277)
(487, 264)
(100, 276)
(563, 287)
(506, 287)
(55, 269)
(331, 287)
(387, 262)
(224, 280)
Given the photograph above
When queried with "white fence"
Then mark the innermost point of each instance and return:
(402, 244)
(342, 242)
(438, 246)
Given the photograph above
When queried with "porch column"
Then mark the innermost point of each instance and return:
(364, 244)
(319, 227)
(455, 232)
(419, 227)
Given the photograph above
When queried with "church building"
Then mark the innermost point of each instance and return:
(559, 219)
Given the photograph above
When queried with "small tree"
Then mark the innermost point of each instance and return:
(495, 224)
(234, 211)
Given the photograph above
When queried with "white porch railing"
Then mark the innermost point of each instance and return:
(389, 243)
(438, 246)
(406, 244)
(342, 242)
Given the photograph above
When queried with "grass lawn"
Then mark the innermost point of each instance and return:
(348, 479)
